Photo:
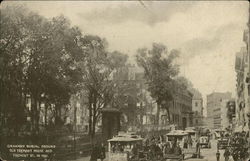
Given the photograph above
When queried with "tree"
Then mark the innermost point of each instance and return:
(159, 71)
(38, 58)
(98, 68)
(13, 68)
(184, 83)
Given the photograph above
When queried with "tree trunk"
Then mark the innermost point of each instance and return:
(157, 112)
(45, 115)
(90, 114)
(38, 109)
(35, 115)
(94, 116)
(168, 114)
(32, 117)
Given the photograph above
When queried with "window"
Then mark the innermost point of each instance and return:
(196, 104)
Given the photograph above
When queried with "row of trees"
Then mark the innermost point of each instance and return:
(48, 61)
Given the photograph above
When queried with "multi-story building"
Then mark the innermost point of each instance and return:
(180, 109)
(224, 114)
(214, 106)
(137, 107)
(197, 108)
(225, 111)
(242, 68)
(197, 102)
(140, 108)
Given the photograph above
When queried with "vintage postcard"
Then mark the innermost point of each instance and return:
(124, 80)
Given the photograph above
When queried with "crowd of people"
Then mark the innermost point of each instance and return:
(238, 147)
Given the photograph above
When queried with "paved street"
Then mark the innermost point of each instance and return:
(210, 154)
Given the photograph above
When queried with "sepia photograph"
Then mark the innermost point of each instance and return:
(138, 80)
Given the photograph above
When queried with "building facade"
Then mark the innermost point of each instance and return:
(197, 108)
(214, 108)
(221, 120)
(242, 68)
(180, 109)
(137, 106)
(140, 110)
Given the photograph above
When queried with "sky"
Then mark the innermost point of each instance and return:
(208, 34)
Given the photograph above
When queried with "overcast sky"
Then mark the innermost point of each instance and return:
(208, 34)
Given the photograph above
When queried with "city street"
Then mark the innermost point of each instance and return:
(210, 154)
(207, 154)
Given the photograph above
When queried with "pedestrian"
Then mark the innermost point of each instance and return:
(185, 143)
(94, 153)
(218, 155)
(226, 154)
(177, 150)
(197, 145)
(102, 152)
(190, 142)
(135, 151)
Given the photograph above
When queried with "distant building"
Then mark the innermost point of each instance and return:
(197, 102)
(214, 105)
(197, 108)
(180, 109)
(221, 115)
(137, 107)
(224, 115)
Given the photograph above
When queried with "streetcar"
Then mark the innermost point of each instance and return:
(176, 138)
(120, 147)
